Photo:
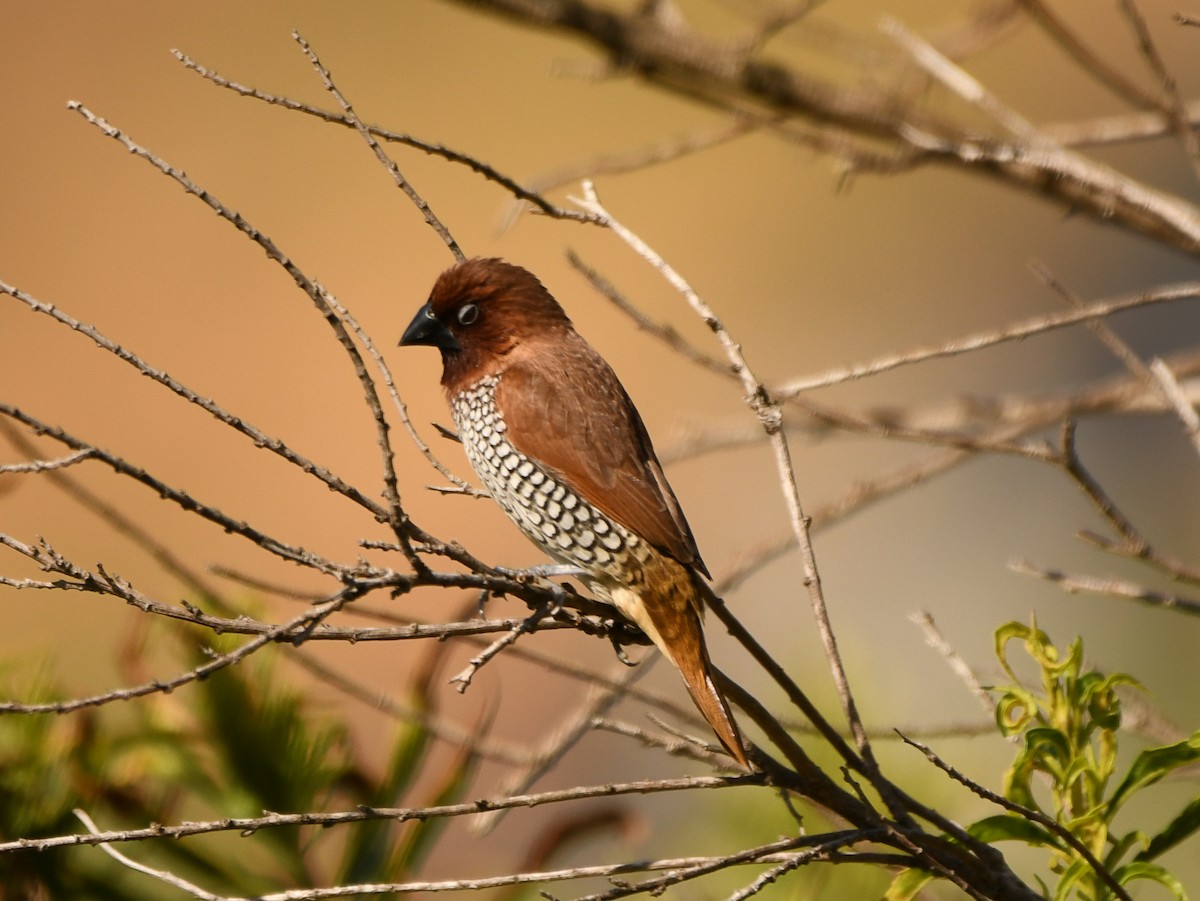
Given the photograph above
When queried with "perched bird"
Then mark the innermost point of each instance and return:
(561, 448)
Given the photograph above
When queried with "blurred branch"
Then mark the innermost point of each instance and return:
(1016, 331)
(727, 74)
(388, 163)
(1118, 588)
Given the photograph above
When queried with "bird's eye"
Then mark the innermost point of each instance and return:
(467, 314)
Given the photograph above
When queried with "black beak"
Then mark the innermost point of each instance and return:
(428, 329)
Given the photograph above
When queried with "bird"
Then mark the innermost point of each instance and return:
(560, 446)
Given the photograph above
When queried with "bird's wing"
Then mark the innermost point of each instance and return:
(565, 409)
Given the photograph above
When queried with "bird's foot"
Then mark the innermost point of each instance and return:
(546, 571)
(542, 571)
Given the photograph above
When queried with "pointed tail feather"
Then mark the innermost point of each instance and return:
(697, 676)
(668, 610)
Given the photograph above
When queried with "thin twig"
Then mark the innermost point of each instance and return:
(936, 640)
(402, 183)
(396, 518)
(574, 726)
(47, 465)
(1101, 328)
(365, 813)
(1173, 105)
(385, 375)
(1070, 461)
(161, 875)
(535, 199)
(1172, 566)
(177, 496)
(462, 681)
(654, 887)
(122, 524)
(1111, 587)
(1094, 64)
(379, 699)
(1184, 409)
(1016, 331)
(664, 332)
(294, 628)
(256, 435)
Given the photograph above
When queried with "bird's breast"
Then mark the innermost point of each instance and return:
(555, 517)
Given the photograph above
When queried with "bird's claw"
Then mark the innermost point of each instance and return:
(541, 571)
(546, 571)
(619, 650)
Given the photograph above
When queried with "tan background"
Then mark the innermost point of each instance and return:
(805, 277)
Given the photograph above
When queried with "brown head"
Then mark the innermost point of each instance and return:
(478, 313)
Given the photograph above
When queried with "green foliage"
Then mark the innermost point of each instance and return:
(240, 743)
(1066, 773)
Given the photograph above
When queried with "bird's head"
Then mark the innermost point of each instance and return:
(479, 312)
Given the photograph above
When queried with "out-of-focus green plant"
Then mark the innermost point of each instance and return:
(1065, 780)
(238, 743)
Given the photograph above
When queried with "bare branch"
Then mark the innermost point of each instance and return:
(1016, 331)
(385, 375)
(599, 700)
(260, 438)
(1095, 64)
(399, 814)
(1173, 106)
(404, 530)
(480, 168)
(180, 498)
(1111, 587)
(161, 875)
(294, 629)
(1179, 402)
(728, 75)
(48, 465)
(936, 640)
(388, 163)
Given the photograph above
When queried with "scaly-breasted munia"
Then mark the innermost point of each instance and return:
(561, 448)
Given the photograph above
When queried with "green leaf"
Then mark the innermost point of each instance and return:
(1151, 765)
(1182, 827)
(1152, 872)
(1014, 828)
(1049, 751)
(1054, 666)
(1016, 710)
(1121, 846)
(907, 885)
(1070, 878)
(1008, 632)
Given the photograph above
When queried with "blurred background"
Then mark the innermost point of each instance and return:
(807, 272)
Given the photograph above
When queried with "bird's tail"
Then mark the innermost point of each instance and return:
(668, 608)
